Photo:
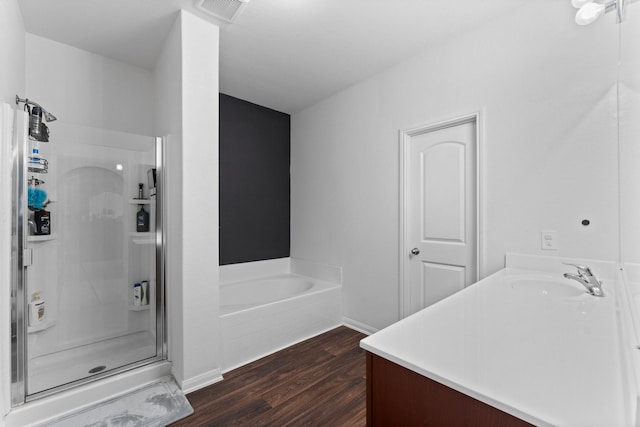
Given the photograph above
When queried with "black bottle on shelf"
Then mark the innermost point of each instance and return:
(142, 220)
(42, 220)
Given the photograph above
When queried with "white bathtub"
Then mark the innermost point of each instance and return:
(252, 293)
(261, 316)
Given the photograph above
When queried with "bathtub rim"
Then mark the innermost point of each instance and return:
(319, 286)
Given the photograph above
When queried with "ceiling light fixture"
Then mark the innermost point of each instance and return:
(590, 10)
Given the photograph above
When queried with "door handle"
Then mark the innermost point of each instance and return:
(27, 257)
(415, 251)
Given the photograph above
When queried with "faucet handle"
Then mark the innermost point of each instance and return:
(583, 269)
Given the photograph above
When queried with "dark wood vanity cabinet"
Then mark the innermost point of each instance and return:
(397, 396)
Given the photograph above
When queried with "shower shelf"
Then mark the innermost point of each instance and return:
(141, 201)
(43, 238)
(139, 307)
(146, 238)
(38, 165)
(42, 327)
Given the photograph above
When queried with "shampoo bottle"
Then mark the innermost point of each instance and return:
(36, 310)
(137, 294)
(145, 293)
(142, 220)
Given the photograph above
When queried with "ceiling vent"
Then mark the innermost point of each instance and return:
(225, 10)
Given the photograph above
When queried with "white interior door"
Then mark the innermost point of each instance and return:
(440, 205)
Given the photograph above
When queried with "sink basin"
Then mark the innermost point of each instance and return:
(546, 287)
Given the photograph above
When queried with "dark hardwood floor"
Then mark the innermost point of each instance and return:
(319, 382)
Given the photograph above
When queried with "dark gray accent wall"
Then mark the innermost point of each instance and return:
(255, 147)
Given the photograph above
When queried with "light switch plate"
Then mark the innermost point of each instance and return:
(549, 240)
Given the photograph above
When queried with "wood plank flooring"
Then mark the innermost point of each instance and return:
(319, 382)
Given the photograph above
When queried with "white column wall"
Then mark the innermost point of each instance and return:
(200, 41)
(187, 112)
(168, 123)
(546, 91)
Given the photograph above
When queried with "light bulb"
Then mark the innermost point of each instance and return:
(579, 3)
(589, 13)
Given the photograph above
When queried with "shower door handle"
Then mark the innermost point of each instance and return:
(27, 257)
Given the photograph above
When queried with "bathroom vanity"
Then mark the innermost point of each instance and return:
(400, 396)
(522, 346)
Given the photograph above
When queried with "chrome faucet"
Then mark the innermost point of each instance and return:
(586, 277)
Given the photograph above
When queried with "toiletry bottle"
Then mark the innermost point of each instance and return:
(151, 178)
(35, 155)
(36, 310)
(137, 294)
(35, 119)
(142, 220)
(42, 219)
(34, 160)
(140, 191)
(145, 293)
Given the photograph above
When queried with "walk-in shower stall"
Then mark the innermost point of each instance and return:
(87, 253)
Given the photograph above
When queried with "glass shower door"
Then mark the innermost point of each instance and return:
(93, 289)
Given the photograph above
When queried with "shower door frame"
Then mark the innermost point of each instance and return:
(21, 259)
(18, 263)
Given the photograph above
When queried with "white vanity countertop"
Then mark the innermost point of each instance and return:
(530, 343)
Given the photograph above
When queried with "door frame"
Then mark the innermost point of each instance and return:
(404, 198)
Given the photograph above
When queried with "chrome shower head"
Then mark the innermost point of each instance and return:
(47, 115)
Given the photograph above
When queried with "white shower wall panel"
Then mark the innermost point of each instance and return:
(86, 272)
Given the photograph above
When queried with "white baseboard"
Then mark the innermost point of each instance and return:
(357, 326)
(200, 381)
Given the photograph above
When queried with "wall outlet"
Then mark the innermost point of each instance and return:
(549, 240)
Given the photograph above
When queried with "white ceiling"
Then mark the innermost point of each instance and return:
(283, 54)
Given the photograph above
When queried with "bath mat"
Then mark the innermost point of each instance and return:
(156, 405)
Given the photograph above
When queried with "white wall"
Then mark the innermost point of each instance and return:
(546, 91)
(12, 41)
(12, 78)
(187, 112)
(84, 88)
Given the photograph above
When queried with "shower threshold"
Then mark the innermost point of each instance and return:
(63, 367)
